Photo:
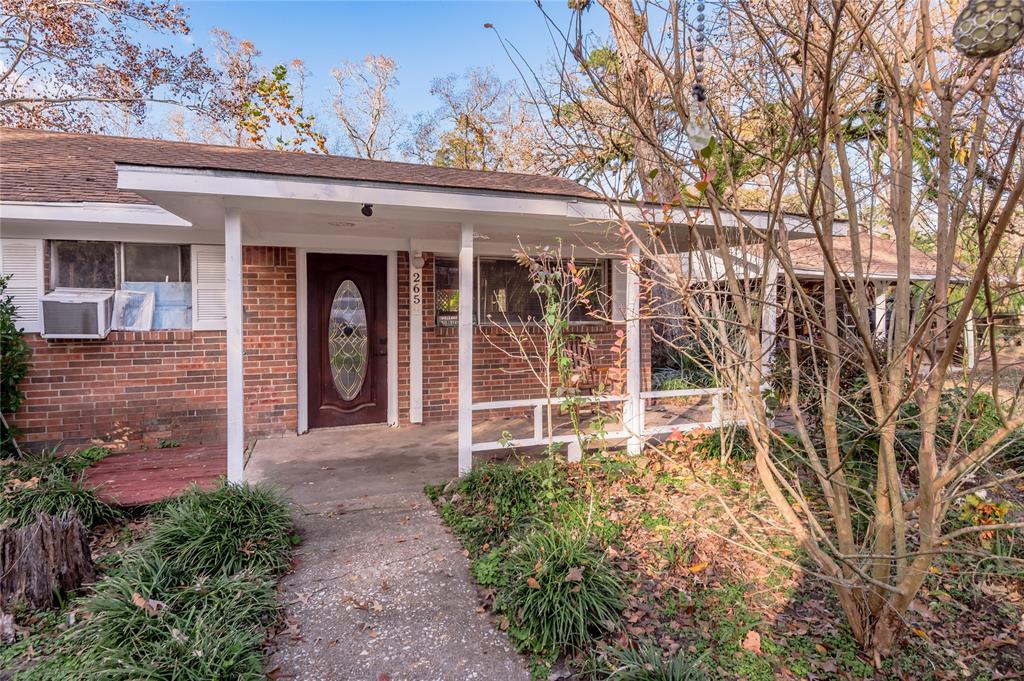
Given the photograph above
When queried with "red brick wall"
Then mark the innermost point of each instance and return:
(271, 365)
(495, 375)
(141, 387)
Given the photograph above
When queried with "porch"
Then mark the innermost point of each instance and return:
(359, 461)
(375, 240)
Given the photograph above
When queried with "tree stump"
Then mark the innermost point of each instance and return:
(44, 560)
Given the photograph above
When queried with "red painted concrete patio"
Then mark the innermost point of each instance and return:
(145, 477)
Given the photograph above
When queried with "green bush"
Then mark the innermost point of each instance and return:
(14, 361)
(647, 664)
(50, 483)
(560, 592)
(223, 531)
(496, 499)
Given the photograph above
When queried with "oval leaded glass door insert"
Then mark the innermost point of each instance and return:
(347, 340)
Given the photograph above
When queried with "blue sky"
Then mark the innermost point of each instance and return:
(428, 39)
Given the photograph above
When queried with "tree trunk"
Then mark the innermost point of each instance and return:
(44, 560)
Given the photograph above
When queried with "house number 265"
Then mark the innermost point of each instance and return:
(416, 293)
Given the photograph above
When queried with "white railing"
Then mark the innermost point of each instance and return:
(574, 453)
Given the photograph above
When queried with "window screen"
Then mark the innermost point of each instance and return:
(156, 262)
(506, 291)
(84, 264)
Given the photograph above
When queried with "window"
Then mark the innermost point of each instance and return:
(84, 264)
(156, 262)
(162, 270)
(446, 291)
(504, 291)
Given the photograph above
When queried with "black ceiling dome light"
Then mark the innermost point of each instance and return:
(986, 28)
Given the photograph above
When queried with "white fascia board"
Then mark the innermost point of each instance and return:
(239, 185)
(137, 214)
(242, 185)
(147, 180)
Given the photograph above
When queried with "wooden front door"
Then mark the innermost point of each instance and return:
(348, 341)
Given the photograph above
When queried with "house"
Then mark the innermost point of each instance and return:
(266, 293)
(879, 262)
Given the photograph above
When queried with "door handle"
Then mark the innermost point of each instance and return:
(382, 348)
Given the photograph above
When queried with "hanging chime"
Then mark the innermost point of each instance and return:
(698, 128)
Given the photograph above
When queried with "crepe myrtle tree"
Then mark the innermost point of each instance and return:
(543, 346)
(835, 118)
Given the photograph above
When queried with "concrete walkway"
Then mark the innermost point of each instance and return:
(381, 590)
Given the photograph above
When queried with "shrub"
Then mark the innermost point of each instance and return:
(647, 664)
(495, 500)
(14, 359)
(560, 592)
(50, 483)
(223, 531)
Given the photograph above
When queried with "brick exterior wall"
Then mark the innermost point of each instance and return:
(137, 388)
(141, 387)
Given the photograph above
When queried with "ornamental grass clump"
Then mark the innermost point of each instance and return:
(145, 623)
(647, 664)
(495, 500)
(223, 531)
(51, 483)
(192, 600)
(559, 592)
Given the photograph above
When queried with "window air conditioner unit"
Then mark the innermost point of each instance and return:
(77, 313)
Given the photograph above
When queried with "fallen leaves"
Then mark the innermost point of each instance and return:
(151, 606)
(574, 575)
(752, 642)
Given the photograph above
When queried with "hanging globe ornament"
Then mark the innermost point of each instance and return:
(986, 28)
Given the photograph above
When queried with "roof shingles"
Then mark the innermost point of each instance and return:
(65, 167)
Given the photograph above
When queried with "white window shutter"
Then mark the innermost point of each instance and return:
(209, 309)
(618, 290)
(23, 258)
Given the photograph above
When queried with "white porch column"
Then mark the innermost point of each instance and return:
(415, 336)
(881, 308)
(769, 313)
(233, 304)
(970, 350)
(466, 349)
(632, 408)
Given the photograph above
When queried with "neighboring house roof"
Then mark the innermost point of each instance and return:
(65, 167)
(878, 255)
